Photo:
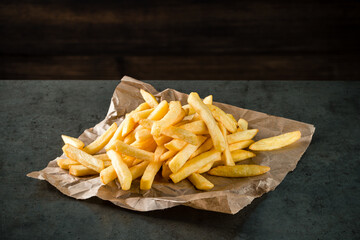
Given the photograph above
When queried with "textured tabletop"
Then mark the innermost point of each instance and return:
(319, 200)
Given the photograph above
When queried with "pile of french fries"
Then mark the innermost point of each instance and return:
(179, 142)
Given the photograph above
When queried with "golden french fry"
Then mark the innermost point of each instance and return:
(138, 169)
(142, 106)
(165, 170)
(182, 156)
(147, 145)
(175, 144)
(107, 163)
(239, 170)
(117, 135)
(73, 141)
(228, 160)
(232, 118)
(137, 161)
(173, 116)
(205, 168)
(208, 99)
(142, 134)
(206, 146)
(243, 124)
(146, 123)
(162, 139)
(158, 152)
(137, 116)
(107, 175)
(195, 164)
(101, 141)
(160, 111)
(187, 109)
(167, 155)
(103, 157)
(206, 115)
(148, 177)
(240, 145)
(126, 149)
(196, 127)
(200, 182)
(129, 139)
(129, 125)
(84, 158)
(122, 171)
(239, 155)
(149, 98)
(128, 160)
(240, 136)
(222, 117)
(276, 142)
(179, 133)
(80, 171)
(65, 163)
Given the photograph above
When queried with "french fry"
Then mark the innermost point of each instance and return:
(129, 139)
(240, 136)
(107, 175)
(206, 146)
(160, 111)
(222, 117)
(206, 115)
(158, 152)
(103, 157)
(239, 170)
(243, 124)
(200, 182)
(148, 177)
(240, 155)
(84, 158)
(196, 127)
(191, 111)
(139, 169)
(128, 160)
(65, 163)
(117, 135)
(182, 156)
(146, 123)
(195, 164)
(132, 151)
(232, 118)
(143, 134)
(137, 116)
(165, 173)
(173, 116)
(80, 171)
(175, 144)
(136, 161)
(205, 168)
(240, 145)
(122, 171)
(187, 109)
(142, 106)
(107, 163)
(73, 141)
(179, 133)
(162, 139)
(129, 125)
(149, 98)
(276, 142)
(167, 155)
(228, 160)
(147, 145)
(101, 141)
(208, 99)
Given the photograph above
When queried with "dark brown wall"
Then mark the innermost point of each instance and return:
(311, 40)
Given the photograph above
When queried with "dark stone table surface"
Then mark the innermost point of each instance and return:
(319, 200)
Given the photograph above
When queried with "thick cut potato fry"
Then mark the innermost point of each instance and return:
(158, 152)
(101, 141)
(143, 134)
(206, 146)
(129, 125)
(208, 99)
(138, 169)
(107, 163)
(137, 116)
(65, 163)
(175, 144)
(191, 111)
(128, 160)
(146, 123)
(243, 124)
(122, 171)
(126, 149)
(222, 117)
(149, 98)
(147, 145)
(206, 115)
(195, 164)
(117, 135)
(80, 171)
(239, 170)
(205, 168)
(228, 160)
(148, 177)
(160, 111)
(240, 155)
(200, 182)
(136, 161)
(142, 106)
(276, 142)
(232, 118)
(103, 157)
(84, 158)
(181, 157)
(107, 175)
(188, 110)
(196, 127)
(240, 145)
(73, 141)
(129, 139)
(165, 173)
(167, 155)
(240, 136)
(179, 133)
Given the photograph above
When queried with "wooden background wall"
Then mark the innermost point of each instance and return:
(242, 40)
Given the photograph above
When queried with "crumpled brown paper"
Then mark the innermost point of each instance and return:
(229, 195)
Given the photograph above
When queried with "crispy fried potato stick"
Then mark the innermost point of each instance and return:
(146, 123)
(175, 144)
(240, 145)
(158, 152)
(240, 136)
(117, 135)
(107, 163)
(73, 141)
(243, 124)
(276, 142)
(129, 139)
(179, 133)
(139, 169)
(101, 141)
(239, 170)
(103, 157)
(142, 106)
(222, 117)
(107, 175)
(148, 177)
(208, 99)
(167, 155)
(129, 125)
(137, 116)
(84, 158)
(228, 160)
(143, 134)
(240, 155)
(149, 98)
(232, 118)
(206, 115)
(80, 170)
(196, 127)
(132, 151)
(206, 146)
(166, 170)
(122, 171)
(65, 163)
(205, 168)
(195, 164)
(160, 111)
(200, 182)
(162, 139)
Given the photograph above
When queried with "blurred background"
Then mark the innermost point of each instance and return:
(164, 40)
